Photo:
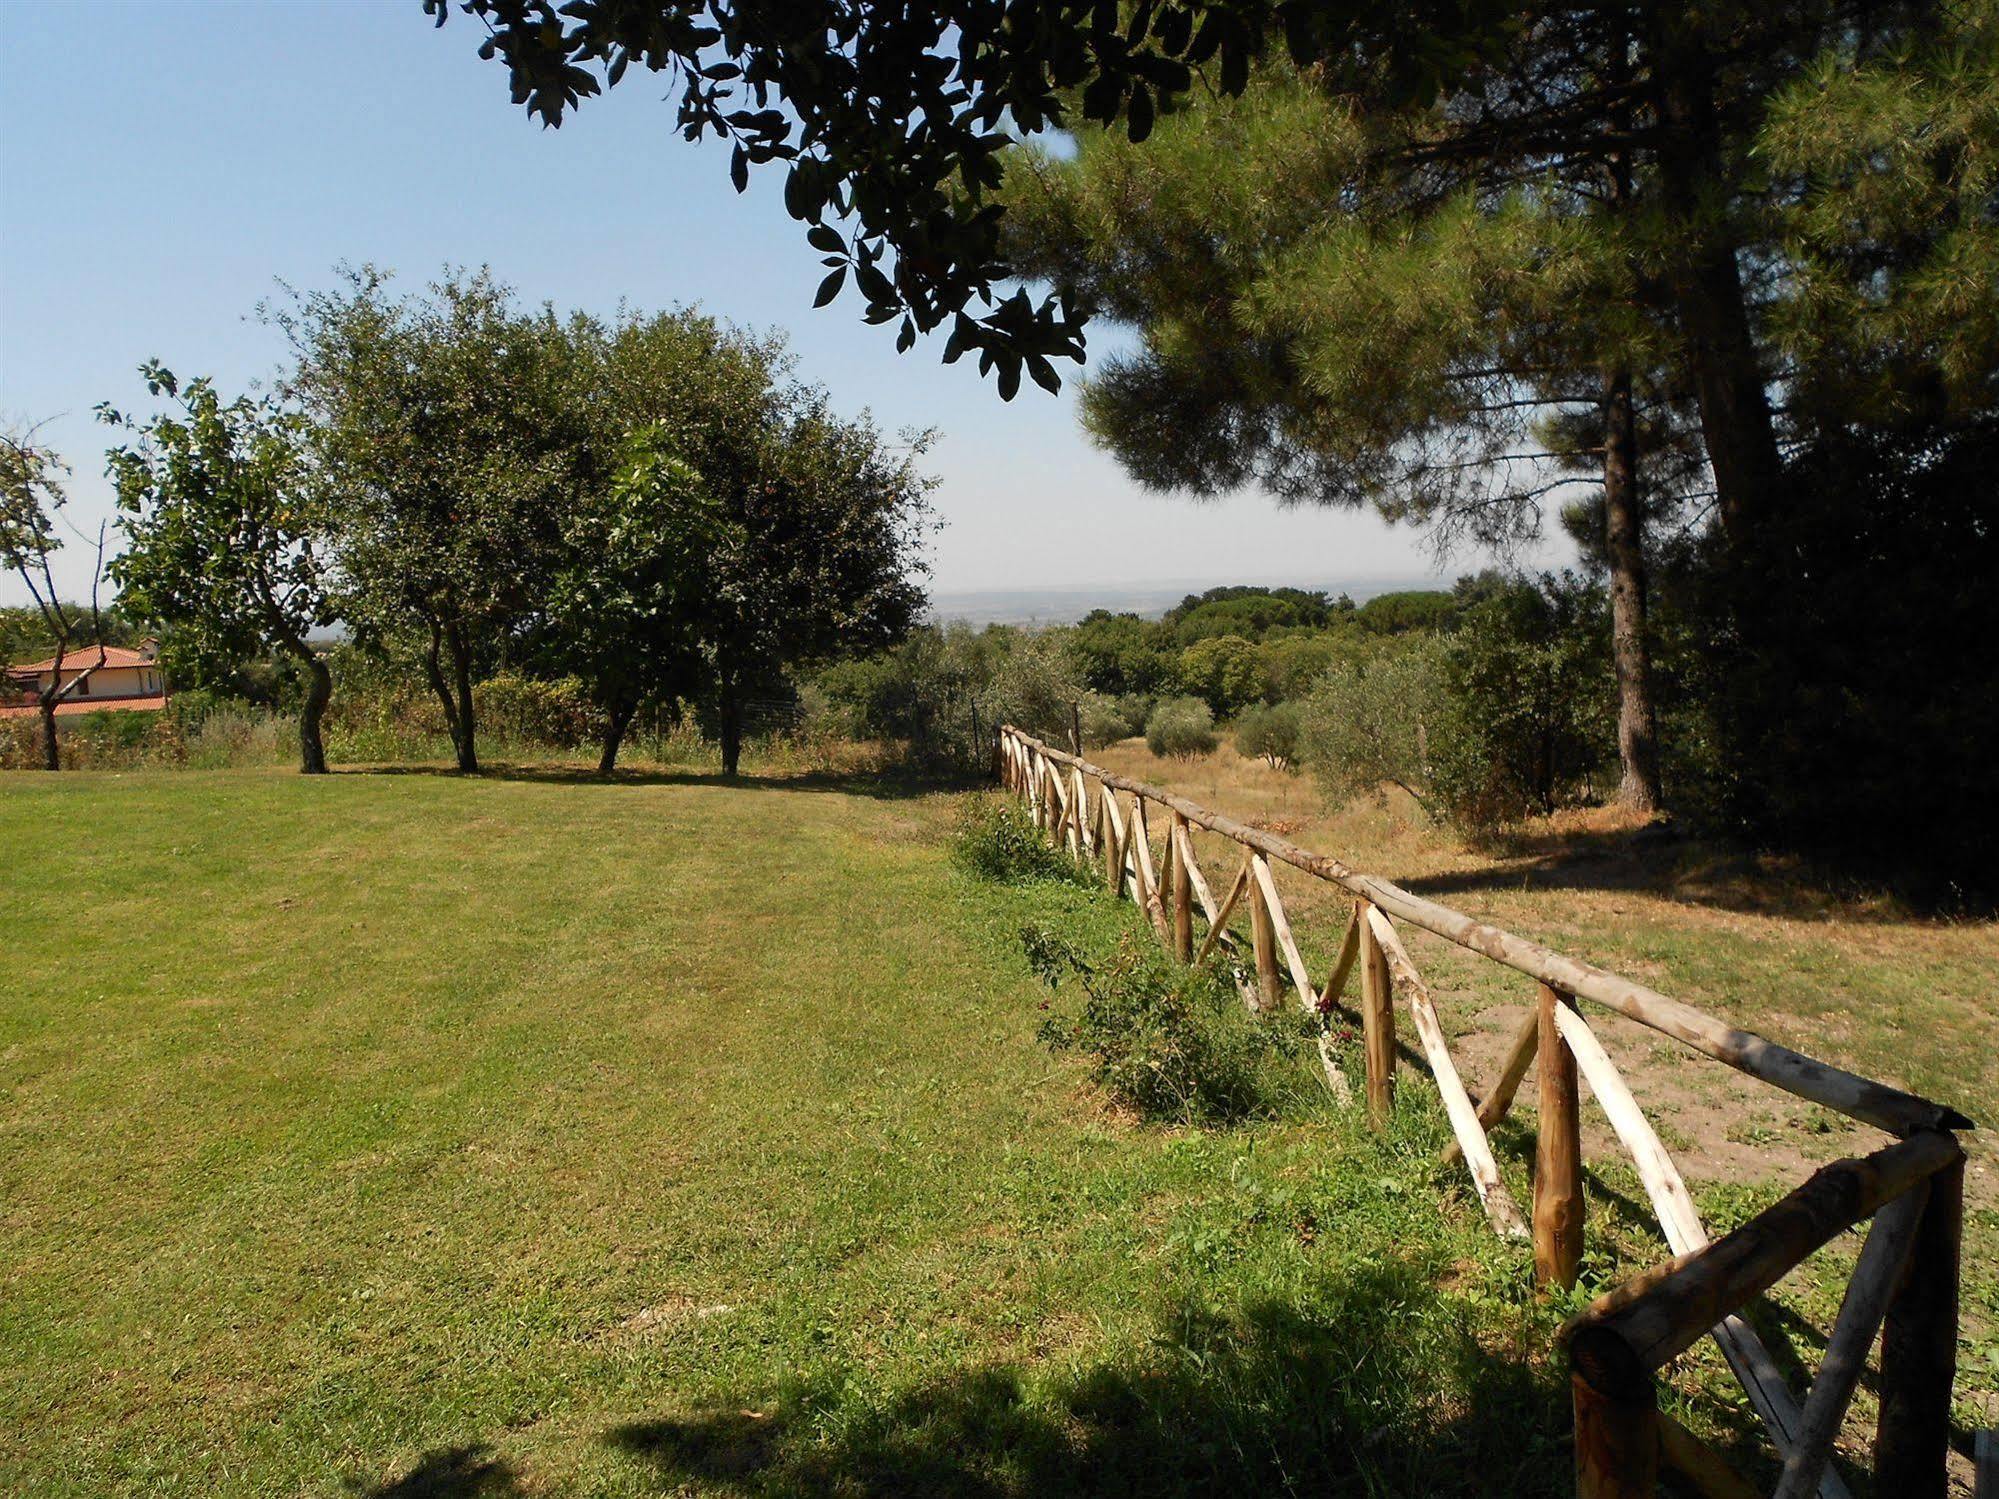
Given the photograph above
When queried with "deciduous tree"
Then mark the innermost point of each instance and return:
(818, 553)
(31, 496)
(452, 437)
(626, 606)
(226, 532)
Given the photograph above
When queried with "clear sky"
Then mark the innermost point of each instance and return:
(164, 162)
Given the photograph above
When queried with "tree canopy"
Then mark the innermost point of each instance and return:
(450, 434)
(892, 122)
(226, 534)
(32, 495)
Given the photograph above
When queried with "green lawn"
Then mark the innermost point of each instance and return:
(404, 1134)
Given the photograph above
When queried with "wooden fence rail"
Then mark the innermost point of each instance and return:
(1904, 1287)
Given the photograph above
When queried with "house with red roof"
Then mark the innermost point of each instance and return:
(125, 680)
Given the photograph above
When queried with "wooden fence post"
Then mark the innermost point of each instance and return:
(1178, 841)
(1919, 1351)
(1377, 1019)
(1116, 849)
(1617, 1418)
(1263, 935)
(1558, 1154)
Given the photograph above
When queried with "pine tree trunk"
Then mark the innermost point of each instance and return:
(1736, 422)
(1624, 538)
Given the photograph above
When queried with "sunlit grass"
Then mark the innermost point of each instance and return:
(541, 1136)
(402, 1133)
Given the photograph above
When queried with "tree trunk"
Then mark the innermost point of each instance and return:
(732, 727)
(47, 698)
(461, 681)
(1624, 526)
(318, 687)
(433, 670)
(318, 692)
(51, 753)
(617, 718)
(1736, 423)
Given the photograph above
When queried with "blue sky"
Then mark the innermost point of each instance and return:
(162, 164)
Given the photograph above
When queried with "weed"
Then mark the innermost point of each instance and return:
(1172, 1043)
(998, 840)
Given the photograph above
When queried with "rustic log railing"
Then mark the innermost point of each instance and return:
(1904, 1287)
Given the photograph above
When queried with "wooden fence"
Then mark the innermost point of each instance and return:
(1904, 1287)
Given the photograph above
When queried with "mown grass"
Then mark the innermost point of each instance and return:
(407, 1134)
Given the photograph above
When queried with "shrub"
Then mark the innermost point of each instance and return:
(530, 710)
(929, 693)
(1104, 720)
(1135, 708)
(1271, 733)
(219, 734)
(1180, 727)
(1174, 1044)
(1368, 723)
(1529, 710)
(231, 735)
(998, 840)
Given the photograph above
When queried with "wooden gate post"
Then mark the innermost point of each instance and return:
(1377, 1019)
(1558, 1154)
(1919, 1351)
(1617, 1418)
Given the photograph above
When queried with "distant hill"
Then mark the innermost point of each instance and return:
(1062, 606)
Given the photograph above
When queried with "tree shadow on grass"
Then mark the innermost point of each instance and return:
(1382, 1387)
(468, 1472)
(1656, 859)
(880, 785)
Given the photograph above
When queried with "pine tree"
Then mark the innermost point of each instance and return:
(1324, 311)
